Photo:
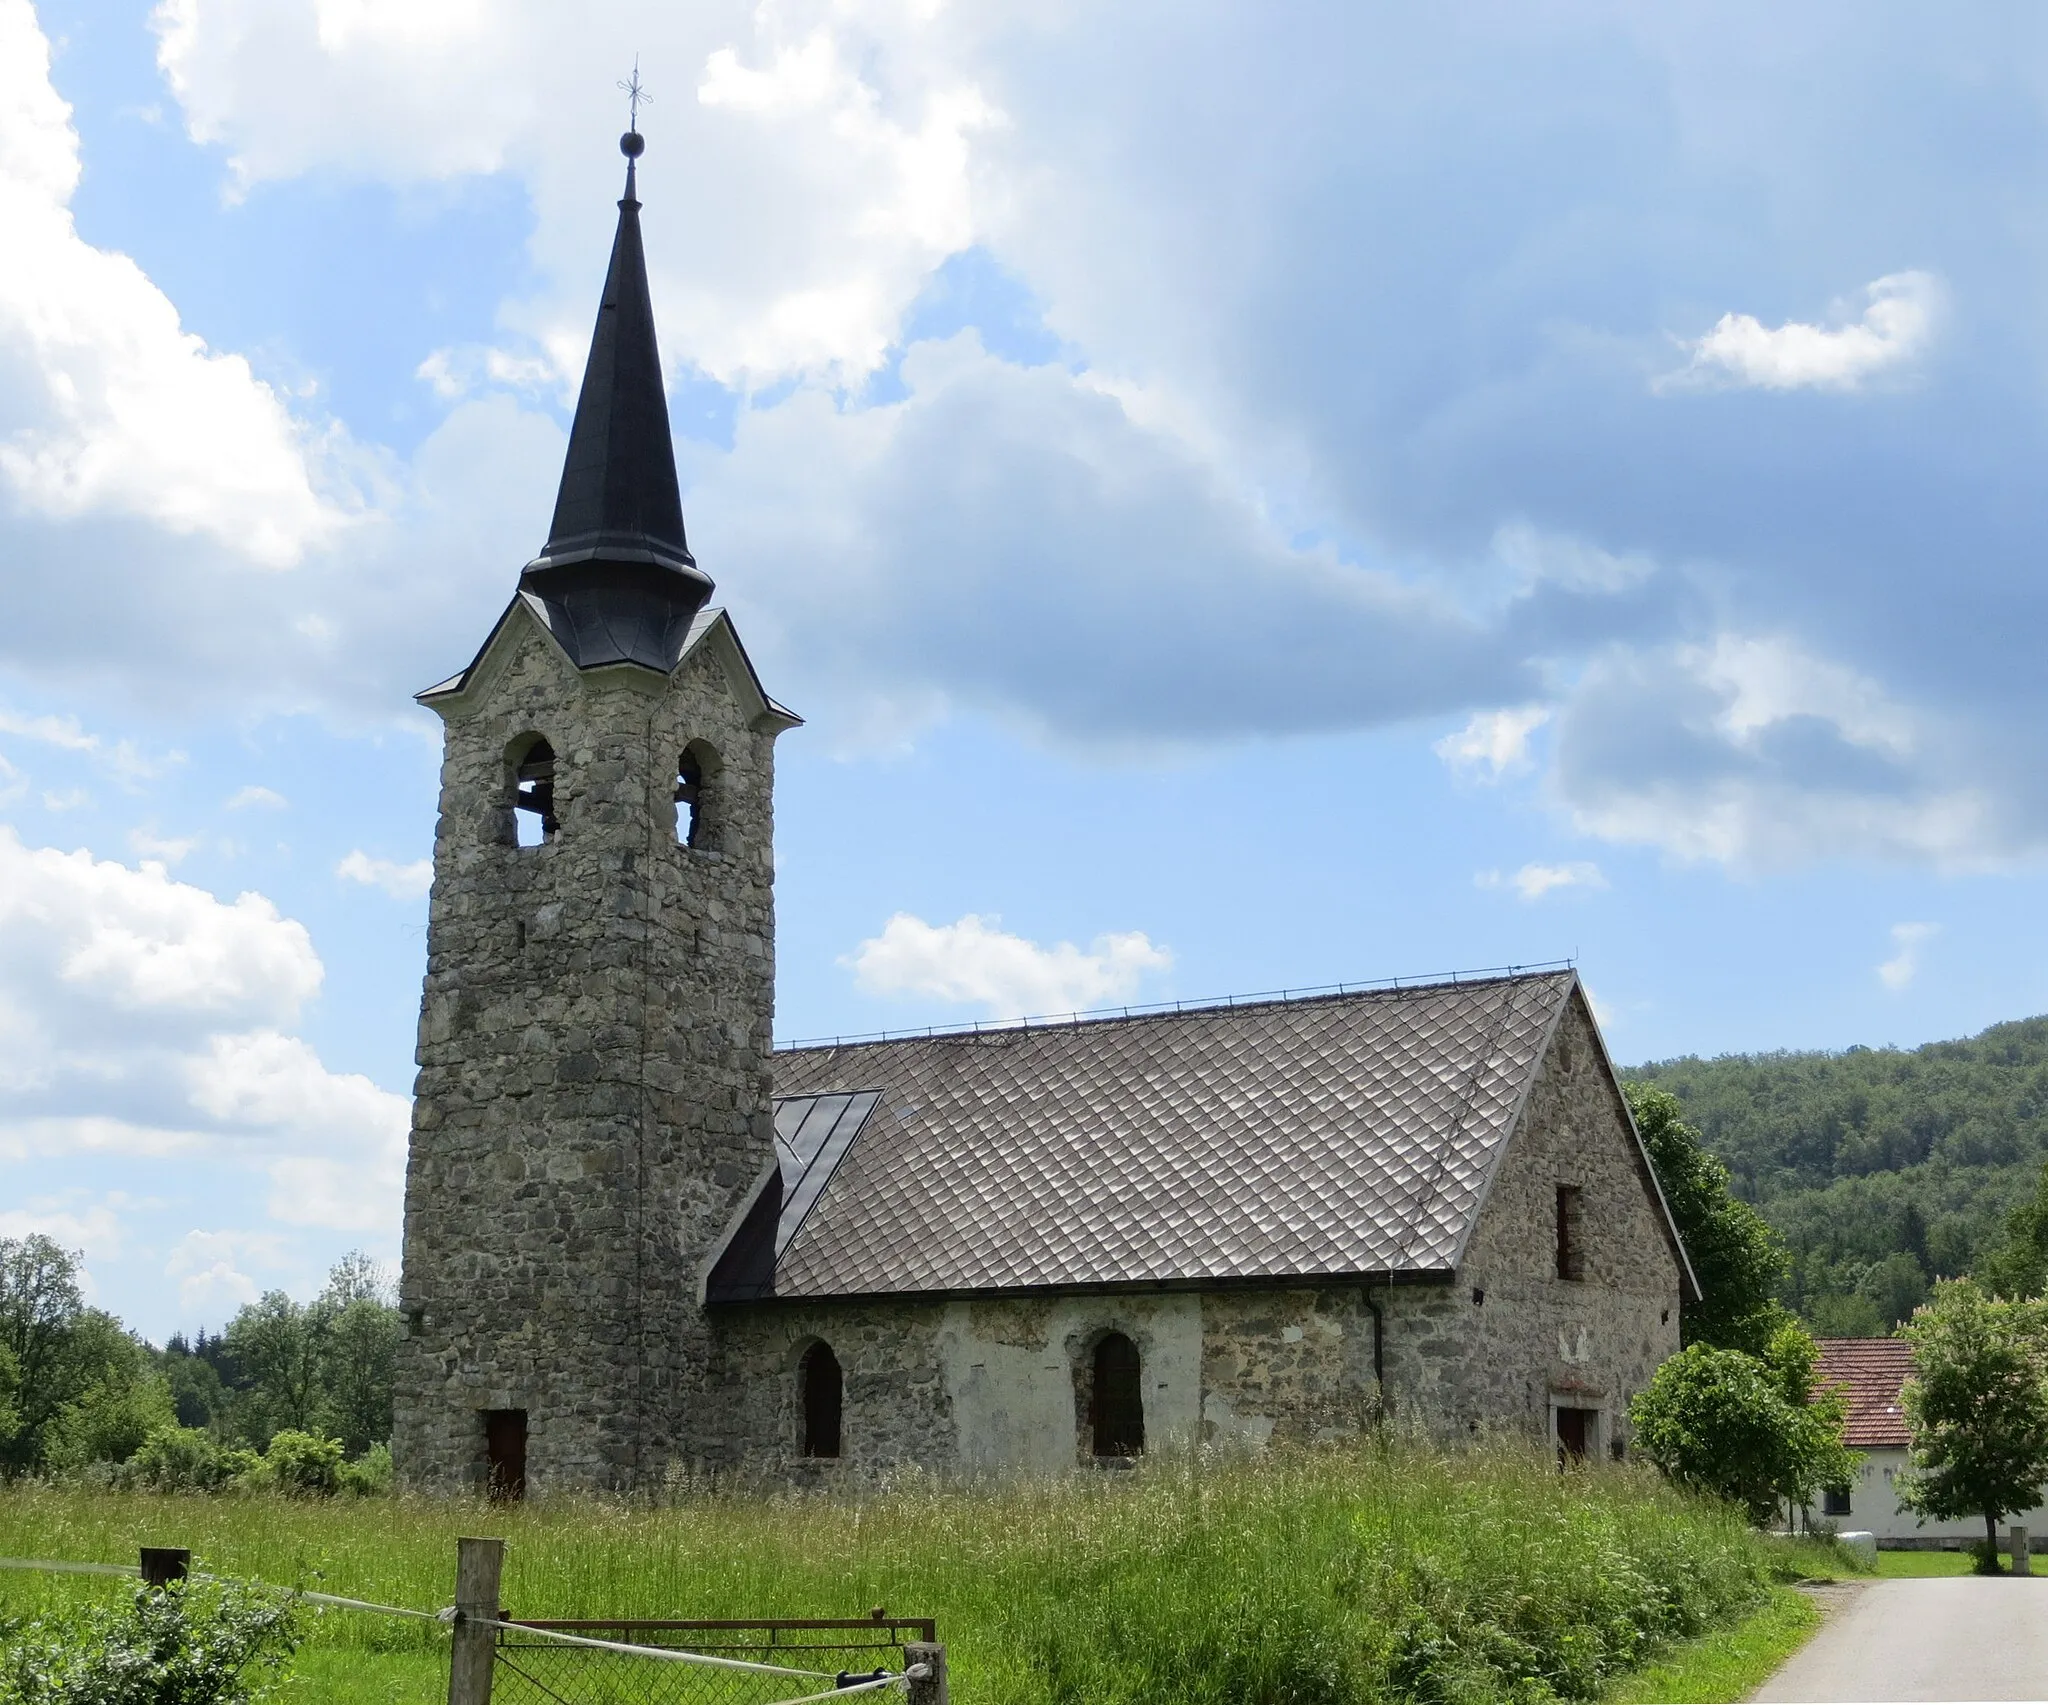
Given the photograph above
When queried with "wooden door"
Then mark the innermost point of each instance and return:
(1574, 1434)
(505, 1453)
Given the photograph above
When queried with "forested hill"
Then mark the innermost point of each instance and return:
(1882, 1167)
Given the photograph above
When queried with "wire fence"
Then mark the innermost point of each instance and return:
(637, 1662)
(750, 1663)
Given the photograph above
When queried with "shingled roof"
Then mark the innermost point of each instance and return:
(1339, 1136)
(1871, 1371)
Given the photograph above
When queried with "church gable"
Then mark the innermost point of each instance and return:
(1574, 1197)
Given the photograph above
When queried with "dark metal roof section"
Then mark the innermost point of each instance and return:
(616, 574)
(1345, 1136)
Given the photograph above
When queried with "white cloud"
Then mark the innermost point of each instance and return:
(1898, 972)
(1897, 321)
(1537, 557)
(400, 881)
(96, 1230)
(208, 1266)
(107, 403)
(974, 961)
(1754, 751)
(146, 843)
(813, 160)
(452, 373)
(344, 1138)
(1495, 743)
(144, 1017)
(1149, 599)
(243, 798)
(122, 759)
(1533, 881)
(60, 731)
(134, 941)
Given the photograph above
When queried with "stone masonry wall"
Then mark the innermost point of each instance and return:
(1510, 1340)
(593, 1089)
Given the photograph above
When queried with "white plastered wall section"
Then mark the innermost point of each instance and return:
(1874, 1508)
(1011, 1372)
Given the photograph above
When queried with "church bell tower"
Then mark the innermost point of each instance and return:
(593, 1094)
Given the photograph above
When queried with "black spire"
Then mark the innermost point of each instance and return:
(616, 573)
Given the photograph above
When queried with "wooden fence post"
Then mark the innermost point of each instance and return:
(931, 1689)
(163, 1564)
(478, 1564)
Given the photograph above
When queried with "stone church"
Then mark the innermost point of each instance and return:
(640, 1241)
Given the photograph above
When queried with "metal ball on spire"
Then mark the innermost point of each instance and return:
(632, 145)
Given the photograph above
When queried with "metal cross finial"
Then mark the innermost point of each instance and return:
(635, 94)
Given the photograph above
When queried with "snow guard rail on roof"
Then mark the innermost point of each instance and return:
(1210, 1003)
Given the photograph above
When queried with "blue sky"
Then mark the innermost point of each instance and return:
(1243, 499)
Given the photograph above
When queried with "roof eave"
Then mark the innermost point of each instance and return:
(1115, 1287)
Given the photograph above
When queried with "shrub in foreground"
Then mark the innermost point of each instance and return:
(186, 1644)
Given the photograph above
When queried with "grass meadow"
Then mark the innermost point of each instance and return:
(1383, 1572)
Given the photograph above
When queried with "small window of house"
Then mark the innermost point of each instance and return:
(822, 1389)
(1835, 1501)
(533, 794)
(696, 796)
(1571, 1252)
(1117, 1406)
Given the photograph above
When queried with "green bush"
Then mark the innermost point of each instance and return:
(1744, 1428)
(369, 1476)
(186, 1644)
(178, 1459)
(303, 1465)
(242, 1469)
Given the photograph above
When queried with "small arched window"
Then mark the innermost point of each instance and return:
(696, 796)
(1117, 1404)
(533, 794)
(823, 1390)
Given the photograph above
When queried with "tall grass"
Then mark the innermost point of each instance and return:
(1385, 1571)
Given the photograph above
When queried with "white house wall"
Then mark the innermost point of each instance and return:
(1874, 1508)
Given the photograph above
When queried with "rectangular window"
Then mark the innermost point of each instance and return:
(1835, 1501)
(1571, 1253)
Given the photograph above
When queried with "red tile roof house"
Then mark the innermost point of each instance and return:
(1872, 1371)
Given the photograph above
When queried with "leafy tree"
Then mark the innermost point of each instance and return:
(1737, 1258)
(39, 1305)
(360, 1351)
(202, 1399)
(1742, 1427)
(325, 1366)
(10, 1384)
(1977, 1406)
(82, 1389)
(278, 1344)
